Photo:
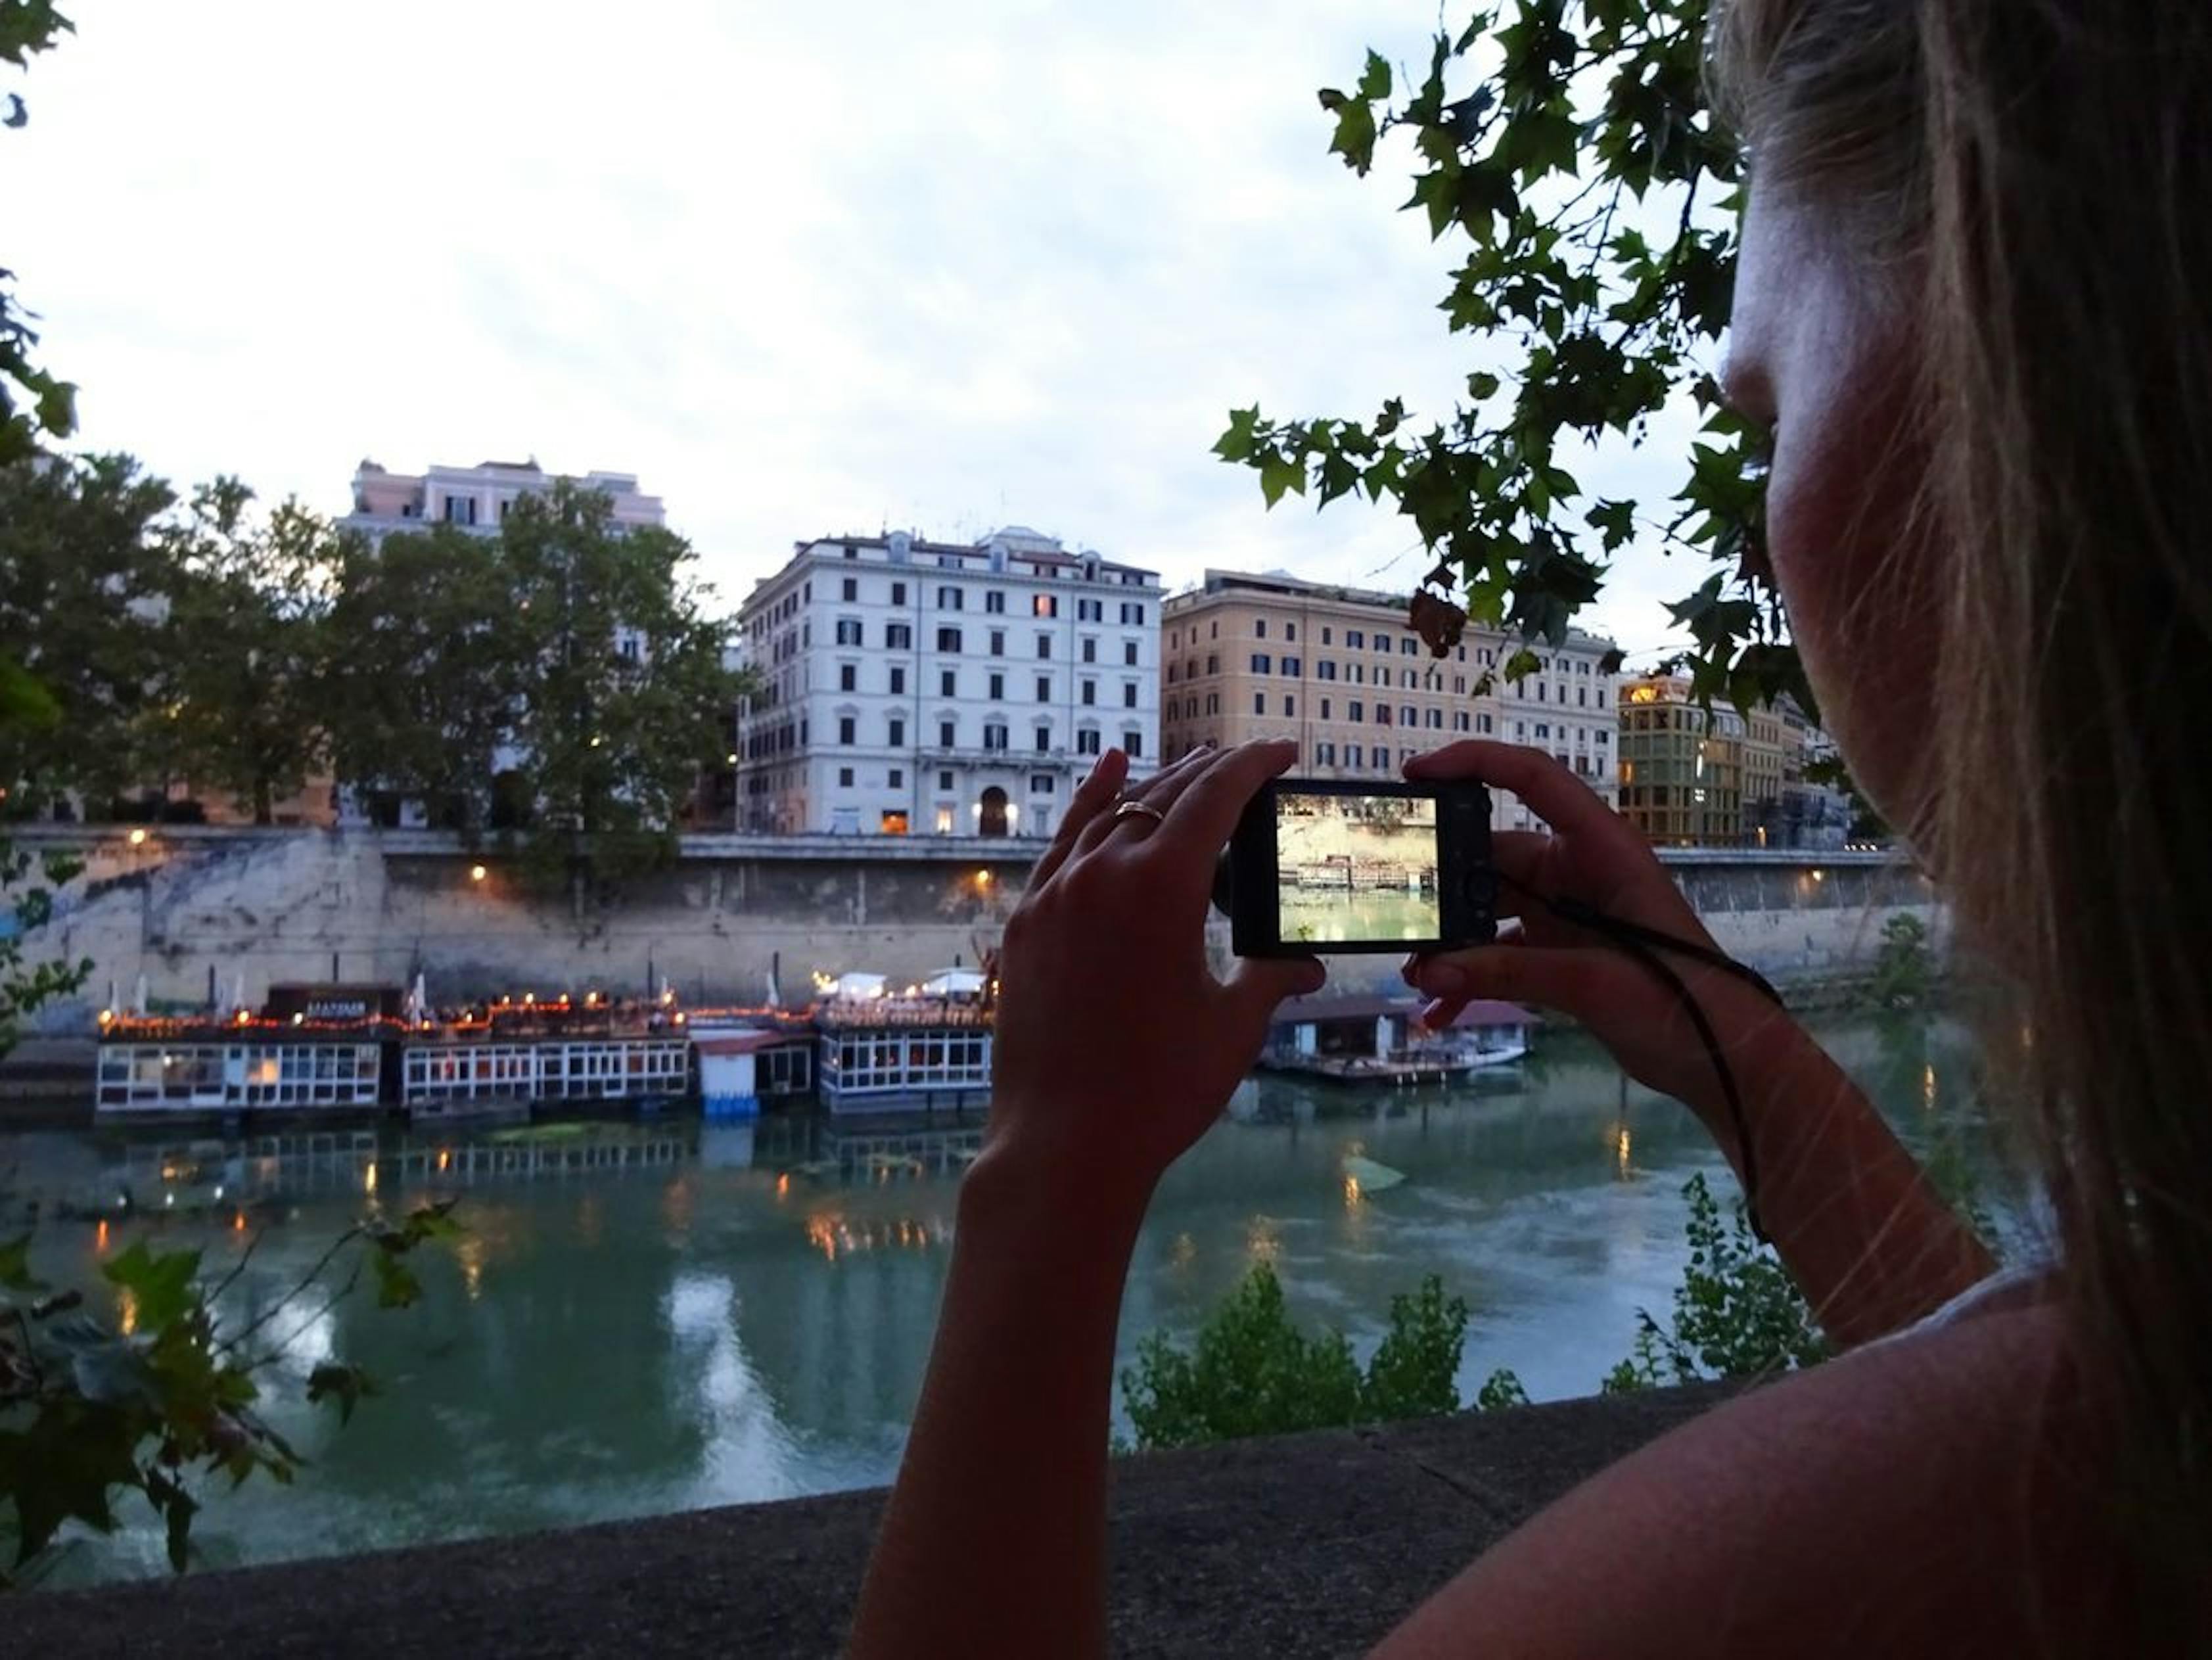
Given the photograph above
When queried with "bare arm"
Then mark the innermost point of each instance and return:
(1869, 1242)
(1115, 1049)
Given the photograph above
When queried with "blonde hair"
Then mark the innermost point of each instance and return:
(2047, 165)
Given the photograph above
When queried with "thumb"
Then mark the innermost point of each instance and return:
(1257, 984)
(1588, 982)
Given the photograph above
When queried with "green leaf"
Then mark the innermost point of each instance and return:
(16, 1266)
(1279, 473)
(346, 1385)
(397, 1287)
(161, 1282)
(1375, 78)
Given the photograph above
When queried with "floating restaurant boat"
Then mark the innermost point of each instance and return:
(323, 1049)
(310, 1048)
(1379, 1040)
(515, 1055)
(887, 1051)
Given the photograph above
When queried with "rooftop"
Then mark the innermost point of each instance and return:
(1224, 584)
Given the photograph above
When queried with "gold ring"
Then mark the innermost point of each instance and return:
(1140, 810)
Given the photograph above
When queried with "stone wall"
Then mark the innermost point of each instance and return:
(363, 905)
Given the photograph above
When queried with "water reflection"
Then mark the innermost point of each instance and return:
(648, 1316)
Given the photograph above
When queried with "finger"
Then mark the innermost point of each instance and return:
(1208, 810)
(1257, 985)
(1552, 790)
(1149, 792)
(1090, 800)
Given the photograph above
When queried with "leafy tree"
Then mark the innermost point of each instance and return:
(1737, 1312)
(622, 698)
(1566, 145)
(1251, 1371)
(249, 599)
(1901, 971)
(422, 670)
(89, 1413)
(84, 585)
(32, 402)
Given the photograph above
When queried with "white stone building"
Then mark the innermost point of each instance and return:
(924, 688)
(477, 498)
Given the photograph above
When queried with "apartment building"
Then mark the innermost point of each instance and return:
(914, 687)
(477, 498)
(1337, 670)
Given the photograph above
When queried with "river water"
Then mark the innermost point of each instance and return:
(645, 1318)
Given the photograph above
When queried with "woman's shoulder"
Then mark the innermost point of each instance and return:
(1925, 1494)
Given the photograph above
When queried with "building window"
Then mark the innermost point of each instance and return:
(997, 684)
(1258, 702)
(1044, 646)
(848, 631)
(1128, 694)
(1091, 611)
(948, 683)
(1212, 663)
(898, 778)
(997, 642)
(846, 725)
(1261, 663)
(1086, 742)
(1291, 667)
(1133, 745)
(1213, 702)
(1324, 709)
(899, 637)
(1435, 720)
(1356, 712)
(844, 778)
(995, 602)
(1045, 604)
(1044, 689)
(945, 818)
(944, 779)
(1352, 755)
(898, 593)
(898, 678)
(1043, 739)
(1090, 692)
(994, 735)
(898, 733)
(1408, 715)
(848, 677)
(1090, 649)
(1326, 669)
(1129, 654)
(1259, 628)
(460, 510)
(950, 598)
(1459, 721)
(1353, 639)
(948, 640)
(893, 821)
(851, 590)
(1290, 706)
(1041, 783)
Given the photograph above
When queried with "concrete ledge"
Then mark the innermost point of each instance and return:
(1311, 1544)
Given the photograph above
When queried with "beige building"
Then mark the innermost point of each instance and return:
(1337, 670)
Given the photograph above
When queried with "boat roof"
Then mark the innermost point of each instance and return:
(1483, 1012)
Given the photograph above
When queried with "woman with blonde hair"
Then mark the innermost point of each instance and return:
(1975, 305)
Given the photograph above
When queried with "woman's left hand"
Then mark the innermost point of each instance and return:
(1116, 1046)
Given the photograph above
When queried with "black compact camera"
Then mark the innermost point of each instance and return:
(1319, 866)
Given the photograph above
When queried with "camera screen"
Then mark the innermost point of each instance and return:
(1356, 867)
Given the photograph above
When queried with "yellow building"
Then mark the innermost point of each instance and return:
(1682, 768)
(1337, 670)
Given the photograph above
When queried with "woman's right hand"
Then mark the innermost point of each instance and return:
(1595, 856)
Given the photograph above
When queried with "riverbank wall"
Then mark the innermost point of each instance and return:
(197, 911)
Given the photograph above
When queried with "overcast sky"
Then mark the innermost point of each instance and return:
(804, 268)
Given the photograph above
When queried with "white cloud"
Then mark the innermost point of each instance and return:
(803, 268)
